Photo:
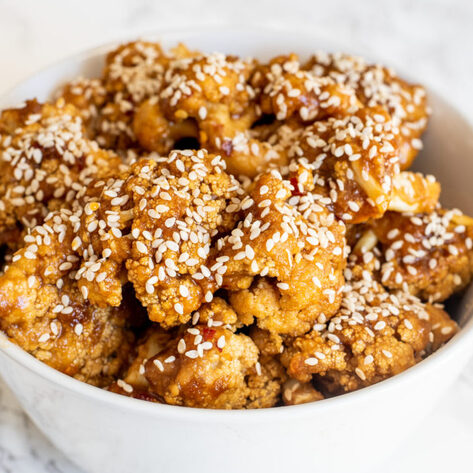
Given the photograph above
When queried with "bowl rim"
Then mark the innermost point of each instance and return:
(95, 394)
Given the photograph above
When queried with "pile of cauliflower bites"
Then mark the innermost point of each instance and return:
(201, 230)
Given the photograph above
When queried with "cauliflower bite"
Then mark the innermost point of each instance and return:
(45, 159)
(181, 203)
(206, 97)
(133, 72)
(286, 90)
(206, 367)
(283, 263)
(377, 85)
(428, 254)
(186, 362)
(375, 335)
(353, 160)
(43, 310)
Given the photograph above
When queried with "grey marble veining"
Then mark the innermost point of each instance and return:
(430, 39)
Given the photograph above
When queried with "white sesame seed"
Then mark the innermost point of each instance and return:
(311, 361)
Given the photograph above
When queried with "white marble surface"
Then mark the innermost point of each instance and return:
(429, 38)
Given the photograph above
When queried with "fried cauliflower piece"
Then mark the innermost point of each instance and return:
(286, 90)
(283, 263)
(170, 366)
(43, 310)
(45, 160)
(210, 88)
(375, 335)
(428, 254)
(133, 73)
(354, 160)
(206, 97)
(376, 85)
(204, 367)
(180, 203)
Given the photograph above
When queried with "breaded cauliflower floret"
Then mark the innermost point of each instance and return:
(133, 73)
(378, 85)
(180, 203)
(43, 310)
(287, 90)
(283, 263)
(429, 254)
(45, 160)
(263, 380)
(353, 160)
(206, 97)
(204, 367)
(210, 88)
(375, 335)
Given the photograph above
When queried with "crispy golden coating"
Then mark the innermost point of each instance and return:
(206, 97)
(196, 366)
(133, 72)
(204, 367)
(217, 313)
(377, 85)
(353, 160)
(286, 90)
(42, 309)
(156, 133)
(180, 204)
(284, 260)
(210, 88)
(45, 160)
(375, 335)
(428, 254)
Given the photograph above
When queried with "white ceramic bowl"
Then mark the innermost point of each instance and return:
(104, 432)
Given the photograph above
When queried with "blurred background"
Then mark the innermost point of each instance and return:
(429, 39)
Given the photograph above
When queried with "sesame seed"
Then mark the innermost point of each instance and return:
(311, 361)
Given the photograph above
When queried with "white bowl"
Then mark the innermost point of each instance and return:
(104, 432)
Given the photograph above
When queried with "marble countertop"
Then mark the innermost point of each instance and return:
(431, 39)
